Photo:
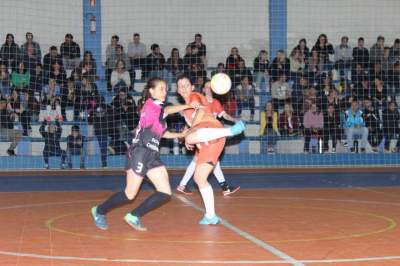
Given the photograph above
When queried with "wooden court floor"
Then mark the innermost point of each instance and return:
(332, 226)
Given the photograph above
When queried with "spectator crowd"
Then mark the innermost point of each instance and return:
(326, 94)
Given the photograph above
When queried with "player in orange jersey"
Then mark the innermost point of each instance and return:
(207, 134)
(219, 112)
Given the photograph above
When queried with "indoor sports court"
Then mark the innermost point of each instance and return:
(181, 132)
(277, 218)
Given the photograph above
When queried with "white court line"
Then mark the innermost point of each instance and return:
(322, 261)
(251, 238)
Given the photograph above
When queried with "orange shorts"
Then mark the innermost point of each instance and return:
(209, 152)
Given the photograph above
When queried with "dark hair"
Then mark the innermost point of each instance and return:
(397, 41)
(28, 33)
(174, 50)
(9, 35)
(244, 77)
(69, 35)
(220, 64)
(183, 76)
(115, 37)
(136, 35)
(361, 39)
(75, 128)
(345, 37)
(89, 53)
(52, 48)
(197, 35)
(323, 35)
(151, 83)
(380, 38)
(119, 46)
(154, 46)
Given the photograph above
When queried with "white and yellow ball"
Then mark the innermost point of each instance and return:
(221, 83)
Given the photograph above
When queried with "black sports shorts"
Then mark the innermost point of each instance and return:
(141, 159)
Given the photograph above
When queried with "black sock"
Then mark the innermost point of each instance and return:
(152, 202)
(115, 200)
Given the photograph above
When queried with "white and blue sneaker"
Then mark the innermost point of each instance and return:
(134, 222)
(99, 219)
(206, 221)
(238, 128)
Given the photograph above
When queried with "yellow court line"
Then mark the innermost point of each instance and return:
(50, 224)
(391, 224)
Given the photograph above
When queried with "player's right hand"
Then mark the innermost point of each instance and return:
(195, 104)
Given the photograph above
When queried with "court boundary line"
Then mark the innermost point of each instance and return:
(286, 258)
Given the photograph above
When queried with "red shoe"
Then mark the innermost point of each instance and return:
(229, 190)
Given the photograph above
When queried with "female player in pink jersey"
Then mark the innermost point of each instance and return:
(208, 134)
(219, 112)
(143, 158)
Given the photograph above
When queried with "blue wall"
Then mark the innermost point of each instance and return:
(277, 26)
(92, 41)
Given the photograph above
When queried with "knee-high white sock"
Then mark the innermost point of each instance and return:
(207, 134)
(218, 173)
(208, 198)
(188, 174)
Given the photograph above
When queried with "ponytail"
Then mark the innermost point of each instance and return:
(151, 83)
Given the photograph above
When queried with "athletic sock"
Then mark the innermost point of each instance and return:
(208, 134)
(152, 202)
(208, 198)
(218, 173)
(188, 174)
(115, 200)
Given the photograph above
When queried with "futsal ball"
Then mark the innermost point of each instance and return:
(221, 83)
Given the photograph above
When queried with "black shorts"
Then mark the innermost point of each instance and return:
(141, 159)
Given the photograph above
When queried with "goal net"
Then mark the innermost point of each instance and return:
(317, 82)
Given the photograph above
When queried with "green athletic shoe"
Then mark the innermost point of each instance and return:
(99, 220)
(207, 221)
(134, 222)
(238, 128)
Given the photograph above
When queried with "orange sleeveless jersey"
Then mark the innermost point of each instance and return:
(216, 108)
(206, 152)
(189, 114)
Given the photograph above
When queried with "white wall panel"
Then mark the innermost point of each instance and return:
(354, 18)
(173, 23)
(48, 20)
